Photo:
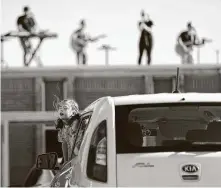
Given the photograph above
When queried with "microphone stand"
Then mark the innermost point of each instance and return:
(106, 48)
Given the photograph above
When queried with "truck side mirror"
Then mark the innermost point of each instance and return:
(47, 161)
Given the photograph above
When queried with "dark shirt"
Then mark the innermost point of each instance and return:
(149, 23)
(145, 35)
(187, 39)
(27, 23)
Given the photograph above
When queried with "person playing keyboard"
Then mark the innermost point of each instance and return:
(27, 23)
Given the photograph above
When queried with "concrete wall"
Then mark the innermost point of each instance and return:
(29, 89)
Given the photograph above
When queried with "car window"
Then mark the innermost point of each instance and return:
(97, 157)
(80, 134)
(168, 127)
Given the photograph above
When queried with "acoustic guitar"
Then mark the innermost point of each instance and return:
(181, 51)
(79, 44)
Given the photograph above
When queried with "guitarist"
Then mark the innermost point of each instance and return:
(79, 41)
(81, 38)
(185, 43)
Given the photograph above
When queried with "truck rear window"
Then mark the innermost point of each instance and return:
(168, 127)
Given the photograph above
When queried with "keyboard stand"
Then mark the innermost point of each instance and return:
(3, 62)
(40, 35)
(33, 53)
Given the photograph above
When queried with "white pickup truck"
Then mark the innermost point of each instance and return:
(145, 141)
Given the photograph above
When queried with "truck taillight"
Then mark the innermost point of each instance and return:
(101, 152)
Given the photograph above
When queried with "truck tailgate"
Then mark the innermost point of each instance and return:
(169, 169)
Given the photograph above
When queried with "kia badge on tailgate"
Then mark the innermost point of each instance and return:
(190, 171)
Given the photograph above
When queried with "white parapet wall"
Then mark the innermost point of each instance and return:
(157, 70)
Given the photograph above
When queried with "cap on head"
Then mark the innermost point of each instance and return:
(189, 25)
(26, 9)
(82, 22)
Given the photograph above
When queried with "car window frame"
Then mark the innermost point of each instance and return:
(91, 142)
(82, 117)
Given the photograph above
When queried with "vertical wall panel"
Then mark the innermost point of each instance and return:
(202, 83)
(163, 85)
(53, 88)
(22, 151)
(17, 94)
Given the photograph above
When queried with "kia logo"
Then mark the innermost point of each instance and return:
(190, 168)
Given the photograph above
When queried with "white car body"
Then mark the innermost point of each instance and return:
(141, 169)
(45, 179)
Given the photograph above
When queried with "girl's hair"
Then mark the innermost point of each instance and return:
(69, 102)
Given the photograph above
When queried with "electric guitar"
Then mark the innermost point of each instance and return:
(181, 51)
(78, 44)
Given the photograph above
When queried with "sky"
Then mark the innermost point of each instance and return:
(118, 20)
